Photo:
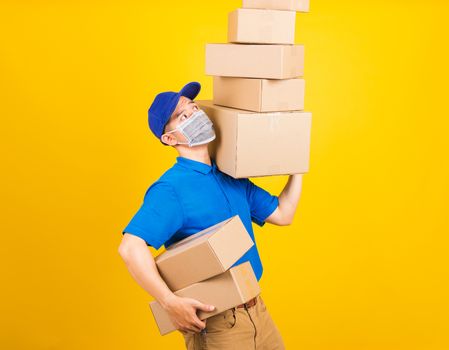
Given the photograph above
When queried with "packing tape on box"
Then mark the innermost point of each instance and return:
(266, 31)
(274, 122)
(275, 166)
(250, 287)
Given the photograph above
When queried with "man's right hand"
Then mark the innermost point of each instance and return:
(182, 312)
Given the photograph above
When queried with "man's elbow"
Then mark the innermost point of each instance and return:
(286, 221)
(127, 245)
(278, 218)
(123, 250)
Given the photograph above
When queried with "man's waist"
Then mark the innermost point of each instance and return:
(250, 303)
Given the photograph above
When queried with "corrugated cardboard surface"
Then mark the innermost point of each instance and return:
(205, 254)
(229, 289)
(255, 61)
(261, 26)
(259, 95)
(292, 5)
(275, 143)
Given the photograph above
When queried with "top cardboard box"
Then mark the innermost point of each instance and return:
(261, 26)
(255, 61)
(204, 254)
(290, 5)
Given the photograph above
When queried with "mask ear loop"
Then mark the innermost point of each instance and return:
(189, 141)
(183, 143)
(179, 143)
(188, 121)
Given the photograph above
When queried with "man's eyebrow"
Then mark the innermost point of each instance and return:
(177, 115)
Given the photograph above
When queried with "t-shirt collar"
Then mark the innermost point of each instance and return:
(196, 165)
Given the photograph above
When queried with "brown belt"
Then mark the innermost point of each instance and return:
(248, 304)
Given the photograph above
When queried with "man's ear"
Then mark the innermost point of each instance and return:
(169, 139)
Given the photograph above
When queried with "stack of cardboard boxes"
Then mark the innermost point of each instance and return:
(199, 267)
(261, 130)
(258, 101)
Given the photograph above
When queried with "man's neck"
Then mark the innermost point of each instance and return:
(198, 153)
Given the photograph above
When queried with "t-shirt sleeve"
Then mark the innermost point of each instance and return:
(159, 217)
(262, 204)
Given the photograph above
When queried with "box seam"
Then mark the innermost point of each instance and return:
(239, 290)
(216, 256)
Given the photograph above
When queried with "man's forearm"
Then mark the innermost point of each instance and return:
(142, 268)
(289, 197)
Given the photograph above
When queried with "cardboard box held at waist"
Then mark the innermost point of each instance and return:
(224, 291)
(204, 254)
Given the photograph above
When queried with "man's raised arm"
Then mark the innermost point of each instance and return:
(288, 201)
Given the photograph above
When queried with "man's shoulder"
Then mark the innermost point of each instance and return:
(169, 180)
(171, 175)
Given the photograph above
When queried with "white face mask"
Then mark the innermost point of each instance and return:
(198, 129)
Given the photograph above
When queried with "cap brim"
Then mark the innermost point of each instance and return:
(191, 90)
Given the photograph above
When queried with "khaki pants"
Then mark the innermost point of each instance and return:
(241, 329)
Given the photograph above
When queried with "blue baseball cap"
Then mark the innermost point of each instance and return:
(164, 105)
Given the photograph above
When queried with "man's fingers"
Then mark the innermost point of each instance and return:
(200, 324)
(189, 327)
(189, 330)
(188, 320)
(203, 307)
(194, 329)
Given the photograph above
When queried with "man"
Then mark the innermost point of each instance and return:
(191, 196)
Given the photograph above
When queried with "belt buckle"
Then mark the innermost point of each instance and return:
(250, 303)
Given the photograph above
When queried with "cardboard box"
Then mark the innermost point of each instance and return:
(290, 5)
(259, 95)
(259, 144)
(261, 26)
(204, 254)
(229, 289)
(255, 61)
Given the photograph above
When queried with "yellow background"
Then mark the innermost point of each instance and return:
(365, 263)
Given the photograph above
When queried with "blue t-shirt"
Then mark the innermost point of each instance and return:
(192, 196)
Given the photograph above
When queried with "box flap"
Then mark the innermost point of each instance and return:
(231, 245)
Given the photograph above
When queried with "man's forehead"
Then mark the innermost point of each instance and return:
(181, 103)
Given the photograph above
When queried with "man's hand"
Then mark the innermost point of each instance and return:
(182, 312)
(142, 268)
